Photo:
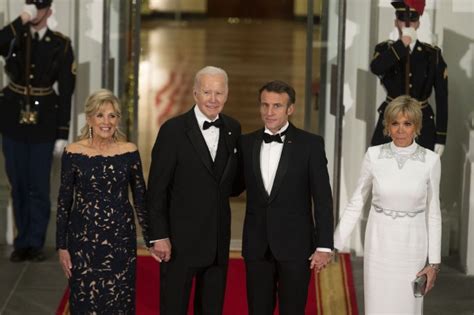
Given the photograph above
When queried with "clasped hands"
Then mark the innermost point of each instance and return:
(161, 250)
(319, 260)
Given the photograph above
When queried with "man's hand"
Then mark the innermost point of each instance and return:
(408, 35)
(439, 149)
(29, 13)
(65, 261)
(161, 250)
(59, 146)
(319, 260)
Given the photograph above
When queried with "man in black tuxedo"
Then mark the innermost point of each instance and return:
(284, 171)
(194, 162)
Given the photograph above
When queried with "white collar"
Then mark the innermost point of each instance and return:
(201, 118)
(282, 129)
(404, 150)
(40, 32)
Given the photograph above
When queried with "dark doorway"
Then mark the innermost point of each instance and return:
(260, 9)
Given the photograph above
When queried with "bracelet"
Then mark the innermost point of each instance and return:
(436, 267)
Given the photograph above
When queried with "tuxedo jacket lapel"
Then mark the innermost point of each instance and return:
(226, 133)
(284, 162)
(197, 140)
(257, 145)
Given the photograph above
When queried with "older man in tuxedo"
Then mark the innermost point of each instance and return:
(285, 175)
(194, 162)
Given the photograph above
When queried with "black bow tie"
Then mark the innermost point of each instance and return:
(268, 138)
(216, 123)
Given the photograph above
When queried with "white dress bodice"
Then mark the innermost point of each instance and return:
(404, 182)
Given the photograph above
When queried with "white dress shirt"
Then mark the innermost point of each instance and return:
(211, 135)
(40, 32)
(270, 154)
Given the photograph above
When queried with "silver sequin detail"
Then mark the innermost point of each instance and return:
(396, 213)
(386, 152)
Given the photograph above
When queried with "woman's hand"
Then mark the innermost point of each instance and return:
(65, 261)
(431, 272)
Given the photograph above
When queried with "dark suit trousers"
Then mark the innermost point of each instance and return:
(28, 167)
(176, 279)
(269, 278)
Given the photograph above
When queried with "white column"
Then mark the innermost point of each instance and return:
(466, 249)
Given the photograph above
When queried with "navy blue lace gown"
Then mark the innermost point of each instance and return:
(95, 223)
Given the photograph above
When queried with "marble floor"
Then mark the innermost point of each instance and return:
(171, 54)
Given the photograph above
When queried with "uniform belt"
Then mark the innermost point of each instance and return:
(423, 104)
(34, 91)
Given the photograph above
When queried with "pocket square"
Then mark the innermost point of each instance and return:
(235, 150)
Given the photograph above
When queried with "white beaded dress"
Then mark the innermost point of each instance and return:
(404, 224)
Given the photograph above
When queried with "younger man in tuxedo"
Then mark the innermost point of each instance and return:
(284, 172)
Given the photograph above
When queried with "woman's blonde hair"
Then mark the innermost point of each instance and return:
(92, 106)
(406, 105)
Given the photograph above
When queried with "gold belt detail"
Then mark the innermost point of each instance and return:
(34, 91)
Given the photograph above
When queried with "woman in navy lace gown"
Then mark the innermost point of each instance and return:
(96, 236)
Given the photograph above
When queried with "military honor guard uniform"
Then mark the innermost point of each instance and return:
(424, 70)
(33, 118)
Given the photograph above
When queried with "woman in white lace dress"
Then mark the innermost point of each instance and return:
(403, 235)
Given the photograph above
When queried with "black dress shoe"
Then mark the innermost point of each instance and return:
(19, 255)
(36, 255)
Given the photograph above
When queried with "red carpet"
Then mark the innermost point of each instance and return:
(324, 297)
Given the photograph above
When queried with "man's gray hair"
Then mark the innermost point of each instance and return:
(210, 70)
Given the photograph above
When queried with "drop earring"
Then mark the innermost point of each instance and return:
(90, 133)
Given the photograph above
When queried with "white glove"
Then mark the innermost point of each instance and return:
(59, 146)
(410, 32)
(439, 149)
(31, 10)
(52, 22)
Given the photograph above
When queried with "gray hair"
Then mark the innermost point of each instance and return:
(210, 70)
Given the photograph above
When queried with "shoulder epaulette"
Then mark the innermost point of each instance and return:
(433, 49)
(385, 43)
(429, 46)
(59, 34)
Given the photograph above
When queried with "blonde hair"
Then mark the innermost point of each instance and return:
(407, 106)
(93, 105)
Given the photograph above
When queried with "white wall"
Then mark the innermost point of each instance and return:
(454, 27)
